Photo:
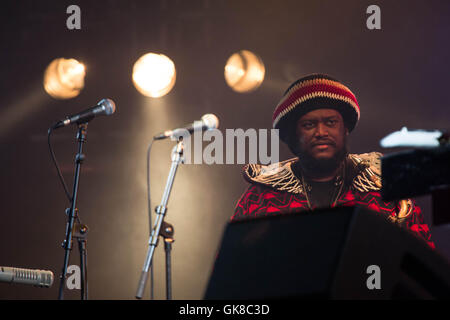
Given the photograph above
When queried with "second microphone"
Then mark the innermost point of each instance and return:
(208, 121)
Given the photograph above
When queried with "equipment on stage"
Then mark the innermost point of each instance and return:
(39, 278)
(104, 107)
(412, 138)
(161, 227)
(74, 227)
(338, 253)
(414, 173)
(417, 172)
(208, 121)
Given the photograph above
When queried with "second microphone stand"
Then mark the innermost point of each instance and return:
(162, 228)
(73, 228)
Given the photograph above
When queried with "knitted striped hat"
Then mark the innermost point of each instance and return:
(316, 91)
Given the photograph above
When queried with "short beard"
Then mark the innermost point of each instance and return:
(319, 168)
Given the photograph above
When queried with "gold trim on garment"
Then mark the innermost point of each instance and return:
(281, 177)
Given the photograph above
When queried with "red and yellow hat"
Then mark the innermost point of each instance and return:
(316, 91)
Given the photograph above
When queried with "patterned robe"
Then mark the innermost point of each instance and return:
(275, 189)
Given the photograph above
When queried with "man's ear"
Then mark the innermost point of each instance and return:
(346, 131)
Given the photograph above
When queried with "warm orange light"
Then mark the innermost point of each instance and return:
(244, 71)
(64, 78)
(154, 75)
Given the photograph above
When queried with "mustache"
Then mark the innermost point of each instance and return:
(325, 141)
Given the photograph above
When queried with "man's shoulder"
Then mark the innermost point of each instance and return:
(365, 168)
(369, 159)
(278, 176)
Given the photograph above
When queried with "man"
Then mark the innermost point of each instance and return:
(314, 118)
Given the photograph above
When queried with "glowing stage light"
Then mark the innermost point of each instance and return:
(244, 71)
(154, 75)
(64, 78)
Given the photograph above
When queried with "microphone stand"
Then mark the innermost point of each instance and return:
(162, 228)
(72, 212)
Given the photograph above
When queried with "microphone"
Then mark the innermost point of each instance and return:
(40, 278)
(104, 107)
(208, 121)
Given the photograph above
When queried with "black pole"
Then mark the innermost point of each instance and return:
(168, 248)
(83, 268)
(67, 244)
(167, 232)
(80, 234)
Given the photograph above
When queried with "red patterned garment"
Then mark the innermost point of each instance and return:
(275, 189)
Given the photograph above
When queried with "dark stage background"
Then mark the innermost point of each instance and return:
(399, 74)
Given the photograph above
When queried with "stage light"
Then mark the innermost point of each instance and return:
(64, 78)
(154, 75)
(244, 71)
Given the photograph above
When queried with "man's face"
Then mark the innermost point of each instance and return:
(321, 134)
